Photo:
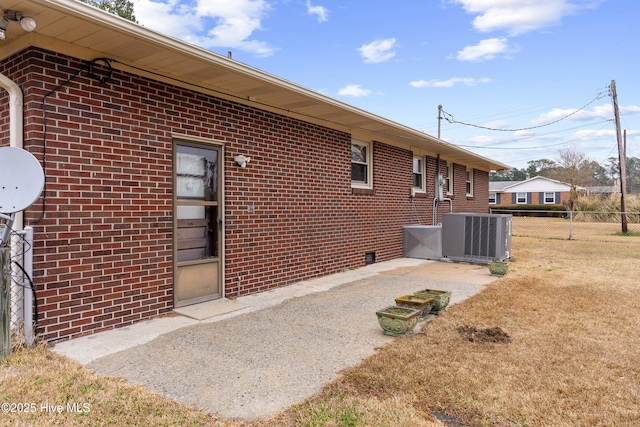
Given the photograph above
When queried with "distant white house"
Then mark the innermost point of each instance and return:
(533, 191)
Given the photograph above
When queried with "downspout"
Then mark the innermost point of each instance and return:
(439, 194)
(436, 199)
(439, 190)
(16, 128)
(16, 139)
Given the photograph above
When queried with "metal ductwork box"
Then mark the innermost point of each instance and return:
(476, 237)
(422, 241)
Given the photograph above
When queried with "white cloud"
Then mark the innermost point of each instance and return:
(209, 24)
(482, 139)
(604, 111)
(594, 135)
(354, 90)
(449, 83)
(321, 12)
(520, 16)
(526, 133)
(496, 124)
(166, 17)
(631, 109)
(487, 49)
(378, 50)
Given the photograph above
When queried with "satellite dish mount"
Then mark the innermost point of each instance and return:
(21, 183)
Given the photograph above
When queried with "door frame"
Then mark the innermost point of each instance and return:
(206, 143)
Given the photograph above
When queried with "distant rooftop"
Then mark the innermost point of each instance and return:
(501, 185)
(604, 189)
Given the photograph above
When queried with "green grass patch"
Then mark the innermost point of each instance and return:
(628, 233)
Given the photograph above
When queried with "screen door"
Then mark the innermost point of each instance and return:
(197, 219)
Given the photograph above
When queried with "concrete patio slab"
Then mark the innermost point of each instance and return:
(278, 350)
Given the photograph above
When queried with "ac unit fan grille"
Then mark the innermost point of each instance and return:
(480, 236)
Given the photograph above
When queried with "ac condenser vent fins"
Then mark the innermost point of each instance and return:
(476, 237)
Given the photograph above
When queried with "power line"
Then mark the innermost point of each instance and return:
(492, 146)
(488, 147)
(511, 112)
(608, 156)
(631, 137)
(449, 118)
(568, 129)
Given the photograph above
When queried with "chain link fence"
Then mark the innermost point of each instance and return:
(17, 316)
(594, 226)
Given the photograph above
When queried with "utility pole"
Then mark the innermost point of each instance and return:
(621, 157)
(439, 119)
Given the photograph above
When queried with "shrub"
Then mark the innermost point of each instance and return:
(606, 208)
(532, 210)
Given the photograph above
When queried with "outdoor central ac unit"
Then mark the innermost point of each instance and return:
(476, 237)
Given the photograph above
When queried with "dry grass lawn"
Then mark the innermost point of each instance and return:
(581, 229)
(569, 307)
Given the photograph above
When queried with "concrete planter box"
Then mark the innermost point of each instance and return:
(397, 321)
(498, 268)
(440, 299)
(424, 304)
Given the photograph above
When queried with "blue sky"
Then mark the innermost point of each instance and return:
(510, 65)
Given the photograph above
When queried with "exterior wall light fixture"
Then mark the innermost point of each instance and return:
(27, 23)
(242, 160)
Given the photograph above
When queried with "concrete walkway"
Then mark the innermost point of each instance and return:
(267, 351)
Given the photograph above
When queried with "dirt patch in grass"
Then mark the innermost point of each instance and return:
(487, 335)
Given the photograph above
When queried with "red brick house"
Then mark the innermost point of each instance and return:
(150, 201)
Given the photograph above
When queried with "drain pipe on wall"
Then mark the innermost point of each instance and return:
(439, 193)
(16, 139)
(436, 200)
(16, 129)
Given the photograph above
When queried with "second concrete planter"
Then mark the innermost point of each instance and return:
(440, 299)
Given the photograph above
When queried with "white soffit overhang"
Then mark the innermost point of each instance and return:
(78, 30)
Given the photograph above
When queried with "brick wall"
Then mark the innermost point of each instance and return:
(103, 250)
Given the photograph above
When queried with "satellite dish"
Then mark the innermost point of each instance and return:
(21, 179)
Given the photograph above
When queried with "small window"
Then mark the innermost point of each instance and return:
(521, 198)
(448, 184)
(361, 170)
(418, 174)
(549, 198)
(470, 182)
(492, 198)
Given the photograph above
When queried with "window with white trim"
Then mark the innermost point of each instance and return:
(493, 199)
(521, 198)
(448, 180)
(549, 198)
(361, 164)
(419, 174)
(469, 182)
